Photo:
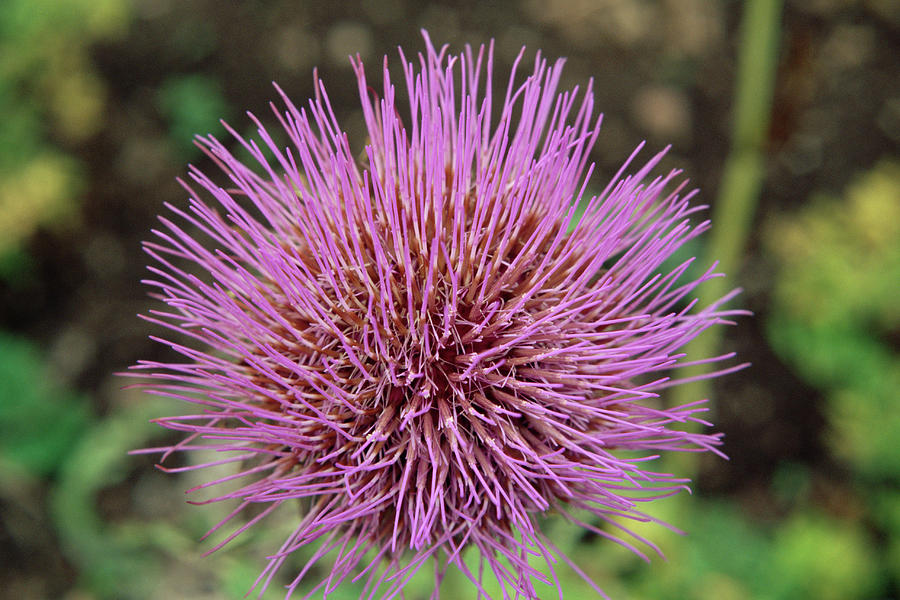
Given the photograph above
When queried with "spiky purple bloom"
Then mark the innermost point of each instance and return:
(415, 342)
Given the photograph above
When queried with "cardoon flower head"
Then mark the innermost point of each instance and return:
(422, 345)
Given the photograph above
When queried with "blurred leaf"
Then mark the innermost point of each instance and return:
(77, 101)
(238, 578)
(839, 260)
(39, 422)
(727, 556)
(193, 105)
(26, 19)
(114, 562)
(831, 355)
(16, 267)
(835, 305)
(41, 193)
(885, 508)
(49, 91)
(721, 557)
(826, 559)
(21, 130)
(866, 429)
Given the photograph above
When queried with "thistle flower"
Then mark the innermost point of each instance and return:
(424, 346)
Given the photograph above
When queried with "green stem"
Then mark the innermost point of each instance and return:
(742, 178)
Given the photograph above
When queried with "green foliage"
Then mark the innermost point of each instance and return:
(720, 558)
(113, 561)
(834, 309)
(23, 20)
(824, 558)
(50, 95)
(840, 258)
(728, 556)
(16, 267)
(886, 510)
(39, 422)
(193, 105)
(835, 304)
(133, 557)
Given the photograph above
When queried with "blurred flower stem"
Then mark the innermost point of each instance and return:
(742, 179)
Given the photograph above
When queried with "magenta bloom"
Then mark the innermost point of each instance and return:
(420, 344)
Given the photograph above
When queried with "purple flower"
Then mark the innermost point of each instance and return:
(423, 345)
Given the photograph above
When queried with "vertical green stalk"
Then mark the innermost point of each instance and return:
(743, 174)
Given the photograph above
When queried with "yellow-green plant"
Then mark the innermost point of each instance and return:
(52, 99)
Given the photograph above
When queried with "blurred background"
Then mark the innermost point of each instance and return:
(99, 102)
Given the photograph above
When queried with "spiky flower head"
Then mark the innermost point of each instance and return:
(424, 343)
